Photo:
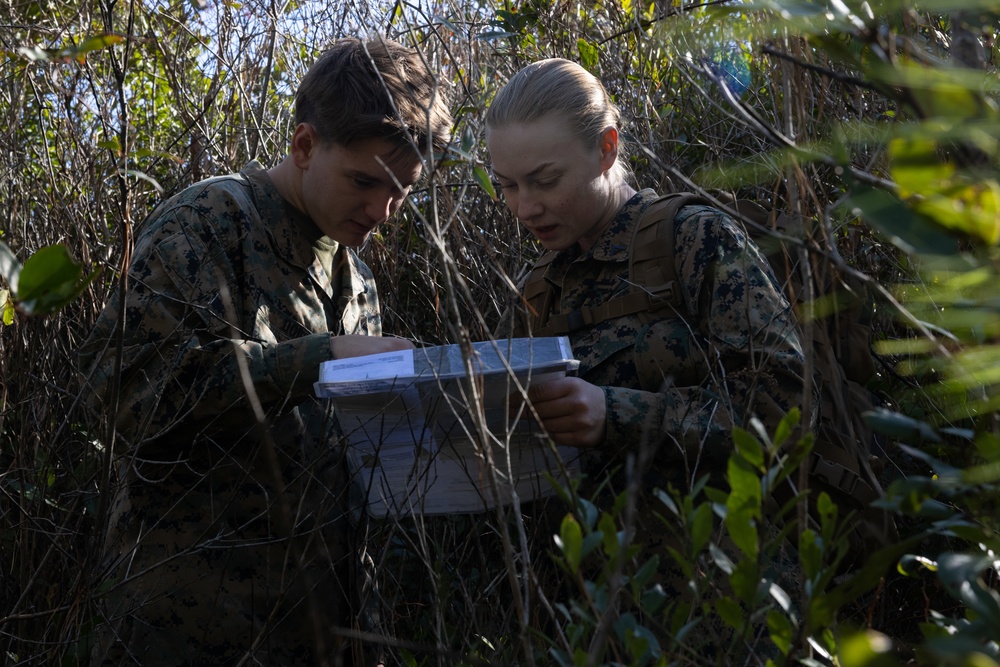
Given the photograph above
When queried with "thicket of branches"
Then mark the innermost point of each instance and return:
(874, 120)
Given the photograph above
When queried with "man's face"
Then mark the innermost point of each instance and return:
(349, 191)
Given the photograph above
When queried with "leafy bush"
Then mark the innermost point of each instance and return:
(875, 123)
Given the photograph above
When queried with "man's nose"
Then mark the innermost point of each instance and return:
(379, 209)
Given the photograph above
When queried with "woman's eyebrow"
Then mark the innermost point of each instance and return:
(531, 174)
(539, 169)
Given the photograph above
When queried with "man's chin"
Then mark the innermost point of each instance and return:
(353, 239)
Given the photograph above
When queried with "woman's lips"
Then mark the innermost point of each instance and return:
(544, 231)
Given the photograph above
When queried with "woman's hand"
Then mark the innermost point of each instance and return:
(357, 345)
(572, 410)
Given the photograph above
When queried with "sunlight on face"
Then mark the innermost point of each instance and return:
(558, 187)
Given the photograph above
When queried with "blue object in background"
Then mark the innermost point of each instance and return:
(731, 64)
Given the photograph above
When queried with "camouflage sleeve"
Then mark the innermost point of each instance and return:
(189, 355)
(753, 361)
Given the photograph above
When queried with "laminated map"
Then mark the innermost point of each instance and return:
(444, 429)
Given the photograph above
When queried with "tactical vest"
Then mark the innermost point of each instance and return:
(841, 462)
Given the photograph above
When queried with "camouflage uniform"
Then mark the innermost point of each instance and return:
(676, 384)
(682, 382)
(228, 537)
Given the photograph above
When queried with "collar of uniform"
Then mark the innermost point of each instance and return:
(292, 232)
(613, 246)
(355, 284)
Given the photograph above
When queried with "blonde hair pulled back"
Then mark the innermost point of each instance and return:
(559, 87)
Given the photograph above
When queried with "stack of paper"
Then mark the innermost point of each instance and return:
(434, 430)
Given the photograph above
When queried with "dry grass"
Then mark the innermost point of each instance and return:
(205, 92)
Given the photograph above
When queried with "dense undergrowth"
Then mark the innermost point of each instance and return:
(874, 123)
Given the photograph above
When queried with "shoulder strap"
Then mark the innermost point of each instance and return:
(652, 274)
(652, 266)
(538, 292)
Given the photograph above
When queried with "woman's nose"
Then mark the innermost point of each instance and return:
(527, 208)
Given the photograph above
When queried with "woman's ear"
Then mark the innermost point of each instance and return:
(609, 147)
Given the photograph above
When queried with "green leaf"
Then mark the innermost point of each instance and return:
(493, 35)
(781, 630)
(748, 447)
(916, 166)
(34, 53)
(111, 144)
(589, 54)
(827, 508)
(744, 581)
(468, 144)
(789, 8)
(612, 537)
(588, 511)
(972, 209)
(828, 511)
(144, 177)
(6, 308)
(867, 648)
(682, 561)
(448, 24)
(744, 484)
(786, 426)
(911, 564)
(730, 612)
(645, 573)
(721, 559)
(653, 599)
(743, 530)
(810, 552)
(483, 179)
(570, 541)
(70, 51)
(908, 231)
(900, 426)
(743, 505)
(962, 574)
(641, 642)
(780, 595)
(10, 268)
(49, 280)
(967, 203)
(701, 527)
(93, 44)
(664, 498)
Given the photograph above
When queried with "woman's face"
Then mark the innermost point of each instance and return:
(558, 187)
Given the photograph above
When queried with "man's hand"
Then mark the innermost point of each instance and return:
(357, 345)
(572, 410)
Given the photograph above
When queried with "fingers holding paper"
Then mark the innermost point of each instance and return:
(358, 345)
(572, 410)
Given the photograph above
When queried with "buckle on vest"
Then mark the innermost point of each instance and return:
(662, 295)
(578, 319)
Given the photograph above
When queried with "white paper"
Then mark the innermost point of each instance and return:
(369, 367)
(429, 439)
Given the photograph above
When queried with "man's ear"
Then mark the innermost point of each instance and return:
(609, 147)
(304, 142)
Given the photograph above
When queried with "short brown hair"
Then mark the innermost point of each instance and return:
(374, 89)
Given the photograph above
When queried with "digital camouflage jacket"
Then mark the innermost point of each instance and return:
(680, 383)
(228, 536)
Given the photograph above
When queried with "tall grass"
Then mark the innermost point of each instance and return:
(92, 140)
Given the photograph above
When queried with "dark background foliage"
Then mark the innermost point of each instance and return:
(874, 123)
